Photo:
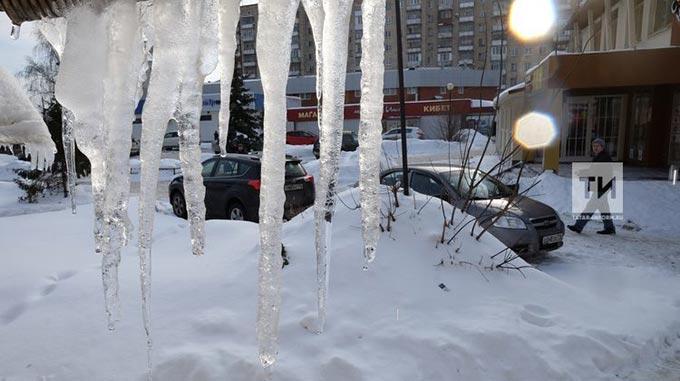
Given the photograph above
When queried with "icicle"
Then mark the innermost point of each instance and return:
(54, 30)
(228, 20)
(274, 32)
(69, 154)
(335, 40)
(370, 141)
(97, 82)
(315, 14)
(15, 32)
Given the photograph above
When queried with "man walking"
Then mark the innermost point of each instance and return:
(600, 155)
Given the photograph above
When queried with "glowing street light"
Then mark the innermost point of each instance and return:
(531, 20)
(535, 130)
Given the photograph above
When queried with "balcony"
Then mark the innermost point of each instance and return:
(250, 63)
(247, 26)
(497, 13)
(248, 51)
(465, 48)
(465, 62)
(411, 36)
(412, 7)
(467, 19)
(467, 33)
(444, 34)
(466, 4)
(413, 50)
(498, 42)
(413, 21)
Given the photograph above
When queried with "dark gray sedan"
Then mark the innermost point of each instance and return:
(528, 227)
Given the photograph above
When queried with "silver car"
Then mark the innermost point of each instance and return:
(527, 226)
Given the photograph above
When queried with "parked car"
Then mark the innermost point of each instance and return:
(528, 227)
(411, 133)
(134, 148)
(171, 141)
(299, 138)
(349, 143)
(232, 188)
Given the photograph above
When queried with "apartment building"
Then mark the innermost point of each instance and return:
(622, 84)
(436, 33)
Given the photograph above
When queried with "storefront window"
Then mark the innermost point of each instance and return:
(640, 123)
(674, 154)
(606, 122)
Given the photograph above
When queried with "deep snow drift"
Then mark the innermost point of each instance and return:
(392, 322)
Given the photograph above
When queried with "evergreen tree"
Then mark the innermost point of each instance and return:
(245, 123)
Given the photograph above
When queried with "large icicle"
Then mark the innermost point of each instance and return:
(274, 33)
(370, 128)
(54, 30)
(315, 14)
(174, 92)
(79, 88)
(97, 81)
(201, 60)
(335, 41)
(228, 20)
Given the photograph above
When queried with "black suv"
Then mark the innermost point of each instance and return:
(349, 143)
(232, 188)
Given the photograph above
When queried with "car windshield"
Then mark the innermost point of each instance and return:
(294, 169)
(486, 187)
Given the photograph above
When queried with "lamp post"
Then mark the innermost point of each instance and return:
(402, 102)
(449, 88)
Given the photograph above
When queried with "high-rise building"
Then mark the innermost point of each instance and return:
(436, 33)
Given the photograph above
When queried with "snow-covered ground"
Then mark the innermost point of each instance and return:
(600, 308)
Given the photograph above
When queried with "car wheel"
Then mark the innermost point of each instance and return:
(179, 206)
(236, 211)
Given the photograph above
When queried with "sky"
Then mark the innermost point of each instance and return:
(13, 52)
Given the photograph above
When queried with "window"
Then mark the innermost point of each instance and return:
(662, 15)
(638, 9)
(412, 90)
(206, 117)
(392, 179)
(390, 91)
(294, 169)
(426, 185)
(208, 168)
(414, 58)
(228, 168)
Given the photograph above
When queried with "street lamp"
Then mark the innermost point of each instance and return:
(449, 88)
(402, 102)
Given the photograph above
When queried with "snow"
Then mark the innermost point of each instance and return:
(20, 122)
(390, 322)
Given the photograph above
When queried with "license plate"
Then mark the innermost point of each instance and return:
(553, 238)
(293, 187)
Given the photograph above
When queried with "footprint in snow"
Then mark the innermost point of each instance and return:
(537, 315)
(12, 313)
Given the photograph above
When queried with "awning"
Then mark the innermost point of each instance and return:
(615, 68)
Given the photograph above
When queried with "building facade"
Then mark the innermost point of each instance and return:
(435, 33)
(623, 86)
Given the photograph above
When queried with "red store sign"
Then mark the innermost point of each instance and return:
(391, 110)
